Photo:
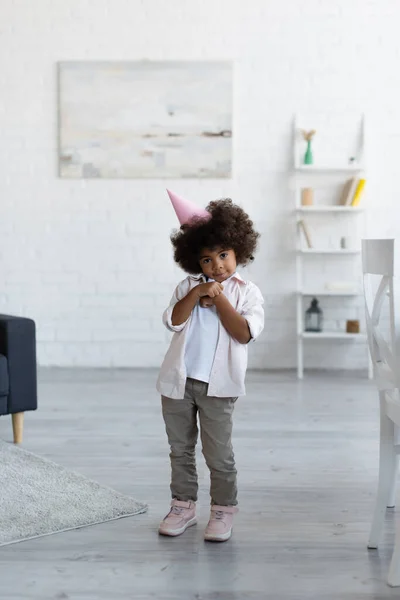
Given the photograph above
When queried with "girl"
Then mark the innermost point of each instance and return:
(213, 313)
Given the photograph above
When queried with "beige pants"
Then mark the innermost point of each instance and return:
(215, 416)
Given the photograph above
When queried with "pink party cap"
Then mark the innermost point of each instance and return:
(186, 210)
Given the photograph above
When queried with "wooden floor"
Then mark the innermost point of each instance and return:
(307, 459)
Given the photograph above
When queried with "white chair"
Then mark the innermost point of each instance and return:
(378, 259)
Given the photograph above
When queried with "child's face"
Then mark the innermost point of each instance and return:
(218, 264)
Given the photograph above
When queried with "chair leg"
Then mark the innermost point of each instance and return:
(387, 465)
(394, 570)
(392, 494)
(18, 427)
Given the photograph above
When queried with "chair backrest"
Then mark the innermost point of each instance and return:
(378, 259)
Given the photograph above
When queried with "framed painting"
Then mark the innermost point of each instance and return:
(145, 119)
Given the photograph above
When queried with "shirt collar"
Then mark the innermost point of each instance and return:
(202, 277)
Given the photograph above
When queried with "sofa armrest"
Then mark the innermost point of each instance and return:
(18, 344)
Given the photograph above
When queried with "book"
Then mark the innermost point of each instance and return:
(358, 193)
(348, 191)
(345, 192)
(341, 286)
(306, 233)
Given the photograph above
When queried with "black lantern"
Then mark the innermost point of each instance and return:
(314, 317)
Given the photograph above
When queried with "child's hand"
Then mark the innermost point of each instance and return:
(206, 302)
(212, 289)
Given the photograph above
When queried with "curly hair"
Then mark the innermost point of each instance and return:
(229, 228)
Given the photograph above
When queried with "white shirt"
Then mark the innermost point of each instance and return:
(201, 342)
(230, 360)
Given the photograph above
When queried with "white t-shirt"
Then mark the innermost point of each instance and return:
(201, 342)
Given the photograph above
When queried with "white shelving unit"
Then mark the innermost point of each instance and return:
(305, 176)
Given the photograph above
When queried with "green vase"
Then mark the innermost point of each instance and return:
(308, 157)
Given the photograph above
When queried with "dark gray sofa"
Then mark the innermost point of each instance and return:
(18, 382)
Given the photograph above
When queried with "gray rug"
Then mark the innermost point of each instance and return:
(38, 497)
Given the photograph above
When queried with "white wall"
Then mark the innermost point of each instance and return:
(91, 260)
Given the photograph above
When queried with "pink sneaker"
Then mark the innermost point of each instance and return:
(219, 528)
(181, 516)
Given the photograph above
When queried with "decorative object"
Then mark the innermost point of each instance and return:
(314, 317)
(307, 197)
(145, 119)
(308, 136)
(346, 242)
(352, 326)
(39, 497)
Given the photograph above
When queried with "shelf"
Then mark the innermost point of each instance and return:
(317, 293)
(328, 169)
(332, 335)
(333, 208)
(328, 251)
(332, 170)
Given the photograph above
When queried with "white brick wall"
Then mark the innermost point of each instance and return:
(91, 260)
